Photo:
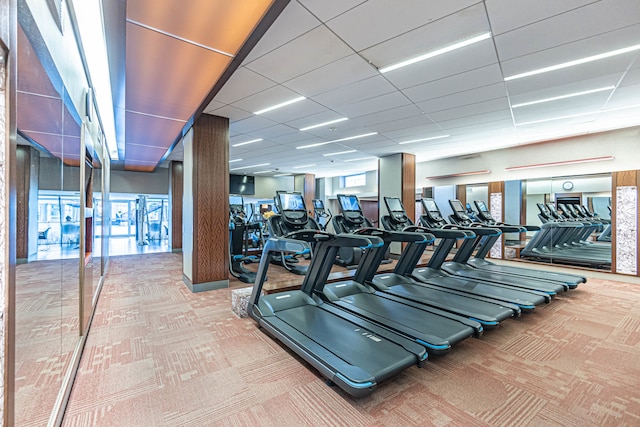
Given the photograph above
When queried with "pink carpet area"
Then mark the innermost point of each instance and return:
(158, 355)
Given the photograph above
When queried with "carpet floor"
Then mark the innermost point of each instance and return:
(158, 355)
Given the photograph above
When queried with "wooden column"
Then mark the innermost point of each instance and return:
(461, 193)
(205, 242)
(306, 184)
(625, 222)
(409, 185)
(28, 166)
(176, 183)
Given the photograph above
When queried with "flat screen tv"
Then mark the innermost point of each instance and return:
(242, 184)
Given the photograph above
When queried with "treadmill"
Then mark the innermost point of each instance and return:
(432, 276)
(350, 219)
(402, 288)
(351, 352)
(479, 261)
(459, 267)
(437, 330)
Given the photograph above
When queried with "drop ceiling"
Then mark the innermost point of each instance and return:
(330, 53)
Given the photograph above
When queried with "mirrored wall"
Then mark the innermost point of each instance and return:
(60, 239)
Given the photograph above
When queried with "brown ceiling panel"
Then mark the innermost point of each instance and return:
(51, 142)
(39, 113)
(31, 75)
(140, 166)
(220, 24)
(149, 130)
(167, 77)
(144, 152)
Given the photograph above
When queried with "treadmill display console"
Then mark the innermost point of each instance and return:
(318, 204)
(349, 204)
(291, 202)
(395, 208)
(456, 205)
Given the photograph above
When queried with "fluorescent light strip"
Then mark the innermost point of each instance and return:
(424, 139)
(247, 142)
(566, 162)
(575, 62)
(339, 152)
(570, 116)
(252, 166)
(361, 158)
(324, 124)
(337, 140)
(453, 175)
(303, 166)
(283, 104)
(436, 52)
(236, 160)
(569, 95)
(267, 171)
(282, 174)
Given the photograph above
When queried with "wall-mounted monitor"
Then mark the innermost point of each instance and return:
(242, 184)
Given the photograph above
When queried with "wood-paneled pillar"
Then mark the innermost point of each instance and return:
(306, 184)
(28, 167)
(625, 222)
(496, 207)
(176, 190)
(397, 178)
(205, 212)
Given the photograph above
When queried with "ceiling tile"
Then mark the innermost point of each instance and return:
(359, 91)
(625, 96)
(327, 9)
(563, 107)
(311, 50)
(506, 15)
(595, 19)
(294, 21)
(337, 74)
(374, 105)
(456, 83)
(376, 21)
(593, 71)
(267, 98)
(473, 96)
(251, 124)
(150, 130)
(232, 113)
(576, 50)
(438, 34)
(241, 84)
(469, 58)
(545, 90)
(499, 104)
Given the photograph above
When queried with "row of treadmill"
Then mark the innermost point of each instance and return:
(360, 332)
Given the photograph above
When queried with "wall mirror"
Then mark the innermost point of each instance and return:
(48, 236)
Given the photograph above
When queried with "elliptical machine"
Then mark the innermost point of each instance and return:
(238, 229)
(322, 215)
(291, 221)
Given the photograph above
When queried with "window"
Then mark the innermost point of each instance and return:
(357, 180)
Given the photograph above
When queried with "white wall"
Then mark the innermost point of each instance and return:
(368, 190)
(266, 186)
(623, 144)
(156, 182)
